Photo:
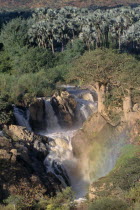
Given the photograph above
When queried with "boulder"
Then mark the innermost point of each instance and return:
(62, 143)
(38, 142)
(19, 132)
(4, 154)
(87, 96)
(64, 106)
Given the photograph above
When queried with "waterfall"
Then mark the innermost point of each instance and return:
(85, 109)
(60, 152)
(51, 119)
(60, 161)
(1, 133)
(22, 117)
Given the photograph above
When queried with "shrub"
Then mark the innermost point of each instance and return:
(6, 114)
(15, 201)
(108, 204)
(134, 195)
(62, 201)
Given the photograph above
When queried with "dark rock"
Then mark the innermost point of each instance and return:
(64, 106)
(21, 165)
(37, 115)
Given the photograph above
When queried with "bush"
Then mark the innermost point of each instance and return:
(62, 201)
(108, 204)
(6, 113)
(31, 60)
(15, 201)
(5, 62)
(25, 87)
(8, 207)
(72, 51)
(133, 196)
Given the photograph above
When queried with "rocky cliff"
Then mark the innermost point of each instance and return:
(37, 115)
(64, 106)
(21, 164)
(109, 155)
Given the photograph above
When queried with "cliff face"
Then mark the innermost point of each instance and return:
(110, 156)
(97, 146)
(64, 106)
(21, 164)
(37, 115)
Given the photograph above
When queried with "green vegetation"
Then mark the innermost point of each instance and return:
(31, 61)
(82, 47)
(15, 202)
(54, 28)
(122, 182)
(6, 114)
(108, 204)
(62, 201)
(112, 75)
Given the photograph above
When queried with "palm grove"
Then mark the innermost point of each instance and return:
(46, 48)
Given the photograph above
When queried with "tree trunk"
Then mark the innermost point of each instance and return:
(73, 34)
(52, 47)
(62, 49)
(119, 40)
(101, 90)
(127, 104)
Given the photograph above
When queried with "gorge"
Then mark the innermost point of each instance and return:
(70, 107)
(63, 141)
(60, 118)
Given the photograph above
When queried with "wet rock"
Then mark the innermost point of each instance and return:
(87, 96)
(64, 106)
(37, 115)
(62, 143)
(21, 164)
(19, 132)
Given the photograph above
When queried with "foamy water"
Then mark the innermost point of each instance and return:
(60, 161)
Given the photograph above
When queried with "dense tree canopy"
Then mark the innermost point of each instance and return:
(44, 49)
(118, 27)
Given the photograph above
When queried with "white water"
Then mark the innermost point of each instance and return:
(22, 117)
(1, 133)
(85, 108)
(61, 153)
(51, 119)
(61, 161)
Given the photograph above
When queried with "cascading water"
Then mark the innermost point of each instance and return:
(60, 160)
(22, 117)
(85, 109)
(51, 119)
(1, 133)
